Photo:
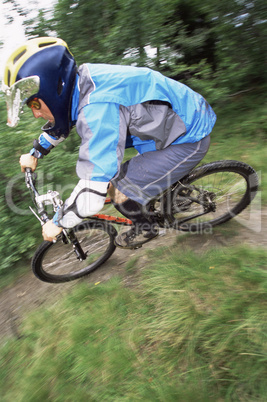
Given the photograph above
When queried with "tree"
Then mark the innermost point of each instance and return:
(241, 42)
(200, 42)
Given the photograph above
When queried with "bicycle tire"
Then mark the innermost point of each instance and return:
(57, 262)
(234, 184)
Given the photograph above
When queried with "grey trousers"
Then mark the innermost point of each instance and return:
(147, 175)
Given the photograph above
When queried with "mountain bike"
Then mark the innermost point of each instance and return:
(208, 196)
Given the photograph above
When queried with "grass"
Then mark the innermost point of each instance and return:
(191, 329)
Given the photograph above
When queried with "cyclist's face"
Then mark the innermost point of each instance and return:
(44, 112)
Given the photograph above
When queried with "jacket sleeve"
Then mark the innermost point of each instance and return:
(103, 134)
(44, 144)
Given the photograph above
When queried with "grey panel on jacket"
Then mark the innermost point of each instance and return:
(157, 122)
(84, 167)
(86, 85)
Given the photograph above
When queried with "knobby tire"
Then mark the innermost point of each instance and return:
(57, 262)
(234, 184)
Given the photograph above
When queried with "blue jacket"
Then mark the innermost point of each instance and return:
(102, 94)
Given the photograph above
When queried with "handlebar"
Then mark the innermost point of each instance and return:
(52, 197)
(30, 181)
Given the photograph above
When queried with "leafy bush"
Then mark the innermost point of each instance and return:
(20, 230)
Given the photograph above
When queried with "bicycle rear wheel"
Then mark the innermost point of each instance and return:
(227, 188)
(57, 262)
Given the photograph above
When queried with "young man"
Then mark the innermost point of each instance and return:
(113, 107)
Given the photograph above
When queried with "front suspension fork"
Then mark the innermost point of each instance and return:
(69, 237)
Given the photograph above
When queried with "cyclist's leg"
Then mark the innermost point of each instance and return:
(147, 175)
(144, 228)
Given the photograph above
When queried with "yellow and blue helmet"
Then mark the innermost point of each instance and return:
(43, 68)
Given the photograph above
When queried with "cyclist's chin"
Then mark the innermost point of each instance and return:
(49, 118)
(48, 125)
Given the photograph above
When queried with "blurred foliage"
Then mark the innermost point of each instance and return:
(216, 48)
(20, 230)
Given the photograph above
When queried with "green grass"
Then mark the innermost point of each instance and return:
(192, 328)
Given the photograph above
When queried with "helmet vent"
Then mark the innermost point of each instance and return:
(8, 78)
(60, 86)
(46, 44)
(19, 56)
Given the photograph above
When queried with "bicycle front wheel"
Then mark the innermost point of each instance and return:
(227, 186)
(57, 262)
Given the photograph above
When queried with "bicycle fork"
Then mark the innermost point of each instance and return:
(69, 237)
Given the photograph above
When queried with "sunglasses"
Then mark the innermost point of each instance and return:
(34, 104)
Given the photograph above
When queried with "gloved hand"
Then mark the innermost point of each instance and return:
(50, 231)
(28, 161)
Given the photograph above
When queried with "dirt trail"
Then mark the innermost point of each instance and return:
(28, 293)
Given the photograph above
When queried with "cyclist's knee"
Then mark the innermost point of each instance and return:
(116, 195)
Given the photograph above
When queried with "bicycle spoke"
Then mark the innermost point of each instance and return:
(94, 243)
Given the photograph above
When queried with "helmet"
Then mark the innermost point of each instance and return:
(43, 68)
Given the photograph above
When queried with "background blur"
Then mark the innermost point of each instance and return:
(209, 46)
(169, 326)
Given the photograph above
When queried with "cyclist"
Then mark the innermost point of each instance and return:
(112, 107)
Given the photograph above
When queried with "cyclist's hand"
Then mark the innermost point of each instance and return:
(28, 161)
(50, 231)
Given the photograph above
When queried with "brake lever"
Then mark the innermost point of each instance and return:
(28, 172)
(36, 216)
(30, 178)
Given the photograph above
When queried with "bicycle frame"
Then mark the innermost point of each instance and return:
(162, 218)
(221, 189)
(112, 219)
